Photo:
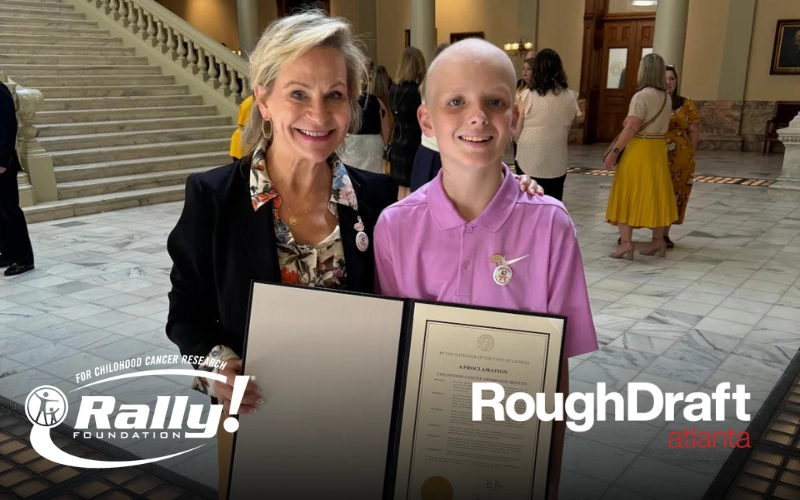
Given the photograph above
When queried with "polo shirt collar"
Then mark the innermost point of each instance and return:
(493, 217)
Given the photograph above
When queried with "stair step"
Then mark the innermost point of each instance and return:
(24, 70)
(94, 187)
(143, 137)
(85, 103)
(80, 156)
(85, 60)
(96, 115)
(68, 40)
(111, 91)
(109, 127)
(76, 31)
(97, 81)
(116, 168)
(46, 11)
(20, 48)
(38, 4)
(44, 22)
(62, 209)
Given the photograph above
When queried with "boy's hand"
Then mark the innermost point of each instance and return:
(529, 185)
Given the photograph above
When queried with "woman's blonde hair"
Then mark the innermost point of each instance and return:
(287, 39)
(412, 66)
(652, 72)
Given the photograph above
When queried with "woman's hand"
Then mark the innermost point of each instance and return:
(529, 185)
(610, 160)
(224, 390)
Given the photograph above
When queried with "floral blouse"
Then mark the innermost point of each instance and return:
(321, 265)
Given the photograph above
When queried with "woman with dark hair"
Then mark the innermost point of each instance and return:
(682, 138)
(547, 111)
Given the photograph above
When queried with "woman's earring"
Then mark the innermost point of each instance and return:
(266, 133)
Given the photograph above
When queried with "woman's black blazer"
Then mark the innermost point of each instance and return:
(220, 245)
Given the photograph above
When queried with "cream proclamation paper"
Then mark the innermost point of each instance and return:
(442, 452)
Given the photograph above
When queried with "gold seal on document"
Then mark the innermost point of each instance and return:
(436, 488)
(486, 342)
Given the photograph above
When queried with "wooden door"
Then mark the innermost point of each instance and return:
(625, 42)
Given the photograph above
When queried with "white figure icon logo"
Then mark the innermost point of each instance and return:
(46, 406)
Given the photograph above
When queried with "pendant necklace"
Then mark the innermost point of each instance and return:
(294, 219)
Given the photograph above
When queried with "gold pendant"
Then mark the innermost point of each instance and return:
(293, 220)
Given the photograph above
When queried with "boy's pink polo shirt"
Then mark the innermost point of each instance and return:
(425, 250)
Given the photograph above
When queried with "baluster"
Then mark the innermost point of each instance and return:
(114, 8)
(245, 92)
(212, 70)
(202, 64)
(151, 28)
(192, 56)
(234, 87)
(171, 44)
(181, 50)
(132, 15)
(161, 37)
(123, 12)
(104, 6)
(140, 24)
(223, 77)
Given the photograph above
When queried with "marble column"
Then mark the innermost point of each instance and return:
(247, 15)
(787, 188)
(669, 39)
(423, 26)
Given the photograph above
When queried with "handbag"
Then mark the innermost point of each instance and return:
(645, 125)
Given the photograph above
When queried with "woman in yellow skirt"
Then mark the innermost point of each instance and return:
(641, 192)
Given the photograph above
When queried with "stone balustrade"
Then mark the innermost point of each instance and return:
(37, 181)
(167, 32)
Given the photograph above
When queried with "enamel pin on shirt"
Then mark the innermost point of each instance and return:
(502, 273)
(362, 240)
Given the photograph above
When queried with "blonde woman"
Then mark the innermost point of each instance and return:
(641, 192)
(286, 212)
(404, 101)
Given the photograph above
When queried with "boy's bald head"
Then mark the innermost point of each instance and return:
(473, 50)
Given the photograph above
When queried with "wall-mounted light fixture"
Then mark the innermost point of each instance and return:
(644, 3)
(518, 49)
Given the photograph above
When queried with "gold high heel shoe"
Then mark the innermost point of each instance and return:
(660, 250)
(625, 251)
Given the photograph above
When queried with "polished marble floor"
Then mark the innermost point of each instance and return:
(723, 306)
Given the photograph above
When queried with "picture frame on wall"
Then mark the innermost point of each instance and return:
(786, 51)
(455, 37)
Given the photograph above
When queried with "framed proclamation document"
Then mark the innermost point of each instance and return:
(442, 452)
(372, 398)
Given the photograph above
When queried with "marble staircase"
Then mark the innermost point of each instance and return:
(120, 132)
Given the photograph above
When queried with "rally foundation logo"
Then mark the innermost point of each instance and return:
(103, 417)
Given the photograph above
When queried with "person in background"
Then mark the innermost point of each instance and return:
(404, 101)
(641, 192)
(381, 86)
(236, 139)
(547, 111)
(682, 139)
(427, 162)
(441, 243)
(529, 56)
(364, 149)
(17, 254)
